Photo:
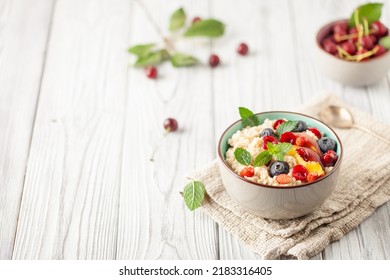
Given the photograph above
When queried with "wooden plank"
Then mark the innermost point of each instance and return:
(264, 80)
(24, 31)
(153, 221)
(71, 194)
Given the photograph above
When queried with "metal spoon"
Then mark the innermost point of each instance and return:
(340, 117)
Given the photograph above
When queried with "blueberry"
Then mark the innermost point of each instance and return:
(301, 126)
(278, 167)
(327, 144)
(267, 132)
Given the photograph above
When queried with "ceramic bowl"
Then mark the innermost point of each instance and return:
(350, 73)
(275, 202)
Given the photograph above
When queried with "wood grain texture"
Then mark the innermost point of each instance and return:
(70, 202)
(153, 220)
(24, 27)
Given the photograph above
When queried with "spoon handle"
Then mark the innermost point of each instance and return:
(371, 133)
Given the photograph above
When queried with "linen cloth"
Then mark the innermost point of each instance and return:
(363, 185)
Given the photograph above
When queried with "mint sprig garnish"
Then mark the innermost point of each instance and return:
(243, 156)
(178, 19)
(193, 194)
(285, 127)
(262, 158)
(206, 28)
(370, 12)
(247, 117)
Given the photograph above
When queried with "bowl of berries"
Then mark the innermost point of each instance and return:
(355, 51)
(281, 165)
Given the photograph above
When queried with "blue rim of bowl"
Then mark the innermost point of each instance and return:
(338, 163)
(329, 25)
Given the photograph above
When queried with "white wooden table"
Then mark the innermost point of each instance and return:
(78, 124)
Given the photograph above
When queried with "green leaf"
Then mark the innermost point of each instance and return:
(272, 148)
(370, 11)
(243, 156)
(153, 58)
(385, 41)
(262, 158)
(141, 50)
(279, 156)
(247, 117)
(193, 194)
(182, 60)
(284, 148)
(178, 19)
(285, 127)
(206, 28)
(279, 150)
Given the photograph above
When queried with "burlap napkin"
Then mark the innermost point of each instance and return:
(363, 185)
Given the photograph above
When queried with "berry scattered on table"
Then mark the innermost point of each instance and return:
(151, 72)
(196, 19)
(267, 139)
(329, 158)
(326, 144)
(242, 49)
(299, 172)
(214, 60)
(170, 125)
(278, 167)
(248, 171)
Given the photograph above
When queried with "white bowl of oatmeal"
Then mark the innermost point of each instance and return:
(281, 165)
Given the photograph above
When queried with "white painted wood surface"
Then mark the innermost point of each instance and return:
(78, 124)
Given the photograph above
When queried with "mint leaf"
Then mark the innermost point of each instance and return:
(262, 158)
(247, 117)
(243, 156)
(178, 19)
(182, 60)
(279, 156)
(285, 127)
(279, 150)
(152, 58)
(370, 11)
(284, 148)
(272, 148)
(385, 41)
(193, 194)
(206, 28)
(141, 50)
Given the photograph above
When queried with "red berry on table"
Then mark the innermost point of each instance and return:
(315, 131)
(151, 72)
(303, 153)
(248, 171)
(367, 42)
(170, 125)
(299, 172)
(329, 46)
(277, 123)
(329, 158)
(301, 141)
(380, 50)
(267, 139)
(283, 179)
(379, 29)
(196, 19)
(312, 176)
(288, 137)
(349, 47)
(214, 60)
(242, 49)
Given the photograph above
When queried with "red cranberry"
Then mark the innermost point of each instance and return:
(248, 171)
(288, 137)
(301, 141)
(299, 172)
(312, 176)
(349, 47)
(340, 27)
(242, 49)
(329, 46)
(302, 152)
(337, 36)
(381, 50)
(151, 72)
(367, 42)
(329, 158)
(213, 60)
(373, 39)
(362, 51)
(170, 125)
(315, 131)
(379, 29)
(354, 30)
(267, 139)
(196, 19)
(277, 123)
